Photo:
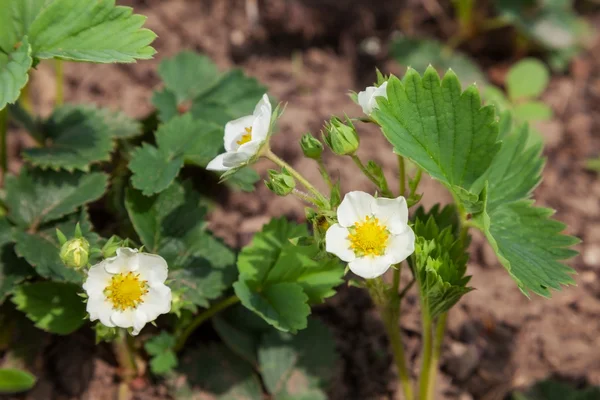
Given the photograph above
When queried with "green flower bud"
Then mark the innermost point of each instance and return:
(341, 137)
(311, 146)
(280, 183)
(111, 246)
(75, 253)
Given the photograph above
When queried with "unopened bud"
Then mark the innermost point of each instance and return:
(75, 253)
(311, 146)
(280, 183)
(341, 137)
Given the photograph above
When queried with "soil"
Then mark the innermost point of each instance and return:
(310, 57)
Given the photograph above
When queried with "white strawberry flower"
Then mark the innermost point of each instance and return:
(244, 137)
(372, 234)
(128, 290)
(367, 99)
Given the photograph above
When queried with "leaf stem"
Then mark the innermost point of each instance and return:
(402, 174)
(268, 154)
(3, 133)
(59, 79)
(383, 186)
(202, 317)
(324, 173)
(440, 329)
(426, 356)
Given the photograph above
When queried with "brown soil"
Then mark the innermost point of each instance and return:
(498, 339)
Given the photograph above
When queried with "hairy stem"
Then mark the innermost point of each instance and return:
(383, 186)
(304, 196)
(402, 175)
(324, 173)
(268, 154)
(59, 79)
(125, 356)
(3, 132)
(202, 317)
(425, 354)
(440, 329)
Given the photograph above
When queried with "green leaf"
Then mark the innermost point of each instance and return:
(14, 67)
(555, 390)
(120, 125)
(532, 111)
(234, 379)
(244, 179)
(239, 340)
(160, 347)
(171, 224)
(35, 197)
(13, 270)
(283, 305)
(181, 139)
(188, 74)
(528, 243)
(446, 132)
(15, 381)
(74, 138)
(421, 53)
(297, 366)
(593, 164)
(527, 79)
(53, 306)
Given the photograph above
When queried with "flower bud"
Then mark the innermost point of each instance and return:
(110, 248)
(280, 183)
(341, 137)
(311, 146)
(75, 253)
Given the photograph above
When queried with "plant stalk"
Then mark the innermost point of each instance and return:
(383, 187)
(268, 154)
(59, 79)
(324, 173)
(305, 197)
(440, 329)
(202, 317)
(401, 175)
(125, 356)
(426, 354)
(3, 134)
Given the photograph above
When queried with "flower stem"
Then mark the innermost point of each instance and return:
(205, 315)
(324, 173)
(3, 132)
(125, 356)
(59, 79)
(272, 157)
(304, 196)
(425, 354)
(383, 186)
(438, 339)
(402, 175)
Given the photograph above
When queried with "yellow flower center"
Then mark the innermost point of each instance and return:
(246, 137)
(126, 291)
(369, 237)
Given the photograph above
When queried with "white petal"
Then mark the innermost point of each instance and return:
(123, 319)
(234, 130)
(370, 267)
(216, 164)
(263, 106)
(364, 99)
(97, 279)
(336, 242)
(152, 268)
(232, 160)
(124, 261)
(262, 122)
(250, 148)
(381, 91)
(140, 319)
(391, 212)
(400, 246)
(156, 302)
(355, 207)
(100, 308)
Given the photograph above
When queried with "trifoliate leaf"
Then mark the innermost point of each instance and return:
(421, 53)
(527, 79)
(528, 243)
(53, 306)
(78, 30)
(239, 340)
(14, 66)
(172, 225)
(35, 197)
(181, 139)
(15, 381)
(41, 249)
(532, 111)
(13, 270)
(297, 366)
(446, 132)
(283, 305)
(233, 379)
(188, 74)
(160, 347)
(74, 137)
